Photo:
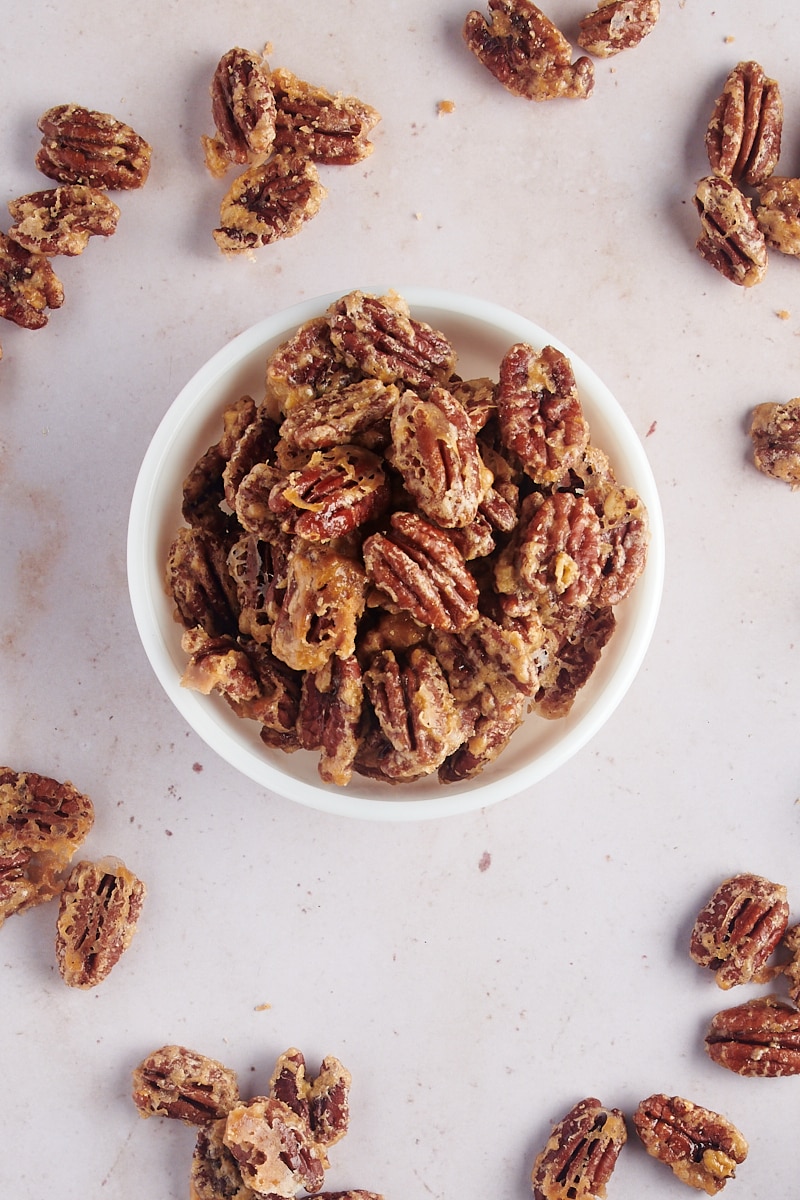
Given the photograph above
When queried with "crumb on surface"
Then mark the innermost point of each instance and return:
(783, 313)
(446, 106)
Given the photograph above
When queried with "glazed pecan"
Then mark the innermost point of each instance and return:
(305, 368)
(199, 582)
(743, 139)
(739, 928)
(243, 106)
(626, 532)
(422, 570)
(731, 240)
(277, 705)
(98, 912)
(580, 1154)
(487, 663)
(214, 1173)
(775, 434)
(269, 201)
(256, 443)
(274, 1148)
(325, 597)
(335, 492)
(329, 717)
(525, 52)
(791, 942)
(28, 285)
(378, 335)
(559, 552)
(540, 413)
(61, 220)
(434, 449)
(617, 25)
(218, 664)
(184, 1085)
(702, 1147)
(758, 1038)
(321, 1101)
(204, 490)
(327, 128)
(778, 213)
(484, 739)
(42, 824)
(355, 413)
(572, 659)
(80, 145)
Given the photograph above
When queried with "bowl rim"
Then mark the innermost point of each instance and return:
(454, 799)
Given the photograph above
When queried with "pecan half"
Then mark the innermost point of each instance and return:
(617, 25)
(560, 552)
(198, 580)
(304, 369)
(355, 413)
(28, 285)
(378, 335)
(325, 597)
(329, 717)
(738, 929)
(731, 240)
(243, 106)
(526, 52)
(702, 1147)
(791, 942)
(540, 413)
(273, 1148)
(204, 490)
(80, 145)
(743, 139)
(327, 128)
(98, 912)
(334, 493)
(580, 1154)
(758, 1038)
(572, 660)
(61, 220)
(626, 532)
(267, 202)
(184, 1085)
(778, 213)
(214, 1173)
(218, 664)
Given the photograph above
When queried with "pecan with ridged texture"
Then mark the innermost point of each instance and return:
(702, 1147)
(184, 1085)
(738, 929)
(42, 824)
(28, 285)
(274, 1148)
(337, 491)
(322, 1100)
(243, 106)
(99, 909)
(526, 52)
(559, 551)
(778, 213)
(572, 659)
(540, 413)
(422, 570)
(625, 530)
(214, 1172)
(256, 443)
(327, 128)
(581, 1154)
(775, 434)
(218, 664)
(324, 599)
(758, 1038)
(329, 716)
(743, 139)
(61, 220)
(304, 368)
(378, 335)
(617, 25)
(204, 491)
(81, 145)
(357, 413)
(200, 584)
(730, 239)
(267, 202)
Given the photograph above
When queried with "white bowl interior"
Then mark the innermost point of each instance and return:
(481, 332)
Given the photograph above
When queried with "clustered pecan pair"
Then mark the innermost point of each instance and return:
(743, 143)
(42, 825)
(87, 154)
(390, 565)
(280, 128)
(735, 935)
(702, 1148)
(531, 57)
(270, 1147)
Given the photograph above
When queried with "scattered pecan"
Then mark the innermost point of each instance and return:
(335, 492)
(61, 220)
(269, 201)
(739, 928)
(325, 597)
(758, 1038)
(98, 912)
(580, 1154)
(378, 335)
(243, 106)
(198, 581)
(321, 1101)
(327, 128)
(80, 145)
(214, 1173)
(526, 52)
(184, 1085)
(778, 213)
(617, 25)
(731, 240)
(273, 1148)
(28, 285)
(743, 139)
(540, 413)
(702, 1147)
(791, 942)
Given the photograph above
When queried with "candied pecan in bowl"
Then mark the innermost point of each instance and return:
(378, 335)
(526, 52)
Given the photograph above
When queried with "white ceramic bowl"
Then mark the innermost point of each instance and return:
(481, 333)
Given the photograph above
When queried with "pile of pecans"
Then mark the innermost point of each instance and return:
(390, 565)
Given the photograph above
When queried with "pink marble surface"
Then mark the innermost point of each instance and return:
(481, 974)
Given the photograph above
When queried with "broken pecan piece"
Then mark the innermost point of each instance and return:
(738, 929)
(61, 220)
(214, 1173)
(274, 1148)
(28, 285)
(184, 1085)
(778, 213)
(98, 912)
(540, 413)
(378, 335)
(731, 240)
(269, 201)
(80, 145)
(526, 52)
(702, 1147)
(243, 106)
(617, 25)
(327, 128)
(580, 1154)
(743, 139)
(758, 1038)
(775, 434)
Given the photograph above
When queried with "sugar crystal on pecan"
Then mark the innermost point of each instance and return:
(328, 128)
